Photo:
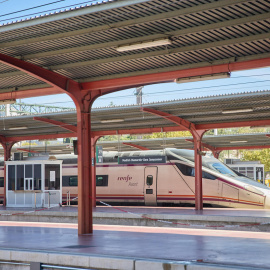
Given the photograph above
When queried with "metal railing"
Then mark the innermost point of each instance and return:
(43, 266)
(68, 198)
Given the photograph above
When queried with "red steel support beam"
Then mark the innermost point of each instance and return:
(216, 153)
(170, 76)
(57, 123)
(56, 80)
(136, 146)
(186, 125)
(214, 150)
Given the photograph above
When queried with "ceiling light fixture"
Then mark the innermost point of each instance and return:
(214, 76)
(142, 45)
(237, 111)
(17, 128)
(238, 141)
(7, 101)
(111, 121)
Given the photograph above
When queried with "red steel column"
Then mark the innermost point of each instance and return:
(85, 220)
(7, 154)
(216, 154)
(86, 156)
(197, 136)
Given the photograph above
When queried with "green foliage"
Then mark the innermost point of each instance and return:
(261, 155)
(115, 138)
(168, 135)
(242, 130)
(26, 143)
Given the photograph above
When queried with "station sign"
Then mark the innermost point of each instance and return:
(142, 160)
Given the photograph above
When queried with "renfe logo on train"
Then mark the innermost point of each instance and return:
(142, 160)
(124, 178)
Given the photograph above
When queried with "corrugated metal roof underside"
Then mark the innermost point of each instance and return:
(248, 140)
(83, 47)
(205, 110)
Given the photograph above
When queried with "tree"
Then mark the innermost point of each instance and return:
(168, 135)
(260, 155)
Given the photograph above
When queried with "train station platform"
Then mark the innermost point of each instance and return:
(57, 246)
(175, 217)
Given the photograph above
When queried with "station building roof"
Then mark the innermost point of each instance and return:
(83, 43)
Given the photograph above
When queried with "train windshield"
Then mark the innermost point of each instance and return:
(214, 165)
(207, 161)
(221, 168)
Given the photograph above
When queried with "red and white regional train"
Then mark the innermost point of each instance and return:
(164, 176)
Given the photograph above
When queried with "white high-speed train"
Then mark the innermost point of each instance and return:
(167, 176)
(163, 177)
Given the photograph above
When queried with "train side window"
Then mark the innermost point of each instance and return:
(101, 180)
(73, 181)
(1, 181)
(186, 170)
(208, 176)
(149, 180)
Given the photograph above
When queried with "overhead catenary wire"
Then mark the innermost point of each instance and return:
(22, 10)
(187, 90)
(39, 6)
(58, 9)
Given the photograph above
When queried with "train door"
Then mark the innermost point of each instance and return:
(150, 185)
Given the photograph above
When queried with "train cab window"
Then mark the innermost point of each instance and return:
(1, 181)
(149, 180)
(102, 180)
(73, 181)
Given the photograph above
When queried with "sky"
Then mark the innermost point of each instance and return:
(242, 81)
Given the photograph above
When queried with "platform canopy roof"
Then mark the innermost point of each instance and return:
(83, 43)
(223, 111)
(222, 142)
